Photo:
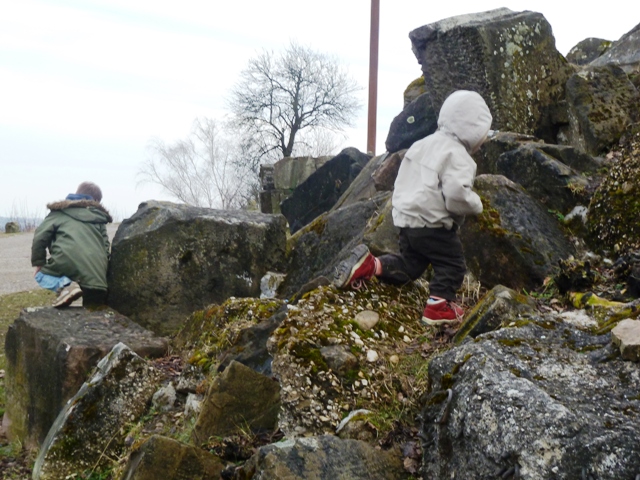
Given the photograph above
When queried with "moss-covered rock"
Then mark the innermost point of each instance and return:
(162, 457)
(514, 242)
(588, 50)
(615, 207)
(318, 248)
(209, 337)
(602, 102)
(323, 457)
(91, 429)
(498, 306)
(168, 260)
(238, 400)
(413, 90)
(508, 57)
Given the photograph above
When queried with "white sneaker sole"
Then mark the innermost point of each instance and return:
(357, 258)
(435, 323)
(68, 299)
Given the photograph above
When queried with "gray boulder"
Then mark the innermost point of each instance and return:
(588, 50)
(556, 185)
(417, 120)
(625, 53)
(514, 242)
(239, 399)
(321, 190)
(49, 354)
(538, 401)
(508, 57)
(503, 142)
(602, 102)
(323, 456)
(91, 429)
(381, 235)
(319, 247)
(162, 457)
(168, 260)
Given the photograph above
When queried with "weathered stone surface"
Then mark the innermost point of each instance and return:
(11, 227)
(626, 335)
(625, 53)
(234, 330)
(503, 142)
(324, 456)
(91, 429)
(588, 50)
(161, 457)
(168, 260)
(507, 57)
(381, 235)
(500, 305)
(250, 345)
(49, 354)
(602, 102)
(321, 190)
(238, 399)
(318, 248)
(385, 175)
(544, 398)
(554, 184)
(417, 120)
(339, 359)
(615, 206)
(515, 242)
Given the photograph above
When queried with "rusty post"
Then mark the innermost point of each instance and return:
(373, 76)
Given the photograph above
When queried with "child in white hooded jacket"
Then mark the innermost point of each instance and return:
(431, 197)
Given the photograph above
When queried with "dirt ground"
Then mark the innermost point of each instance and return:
(16, 272)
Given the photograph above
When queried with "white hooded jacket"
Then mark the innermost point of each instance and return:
(434, 184)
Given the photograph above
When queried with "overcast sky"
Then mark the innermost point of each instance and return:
(85, 84)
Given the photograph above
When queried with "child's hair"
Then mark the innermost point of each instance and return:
(91, 189)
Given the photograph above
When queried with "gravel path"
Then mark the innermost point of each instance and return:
(16, 272)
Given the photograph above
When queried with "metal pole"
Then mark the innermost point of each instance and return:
(373, 76)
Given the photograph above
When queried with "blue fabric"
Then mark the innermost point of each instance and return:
(79, 196)
(50, 282)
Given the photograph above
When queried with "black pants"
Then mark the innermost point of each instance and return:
(421, 247)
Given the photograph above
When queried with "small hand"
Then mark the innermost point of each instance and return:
(37, 270)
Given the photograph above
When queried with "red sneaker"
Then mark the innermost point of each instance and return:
(442, 312)
(360, 265)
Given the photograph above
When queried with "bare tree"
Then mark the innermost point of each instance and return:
(279, 96)
(202, 170)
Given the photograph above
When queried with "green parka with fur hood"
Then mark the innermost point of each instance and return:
(75, 233)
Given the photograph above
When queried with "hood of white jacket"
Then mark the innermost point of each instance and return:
(466, 115)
